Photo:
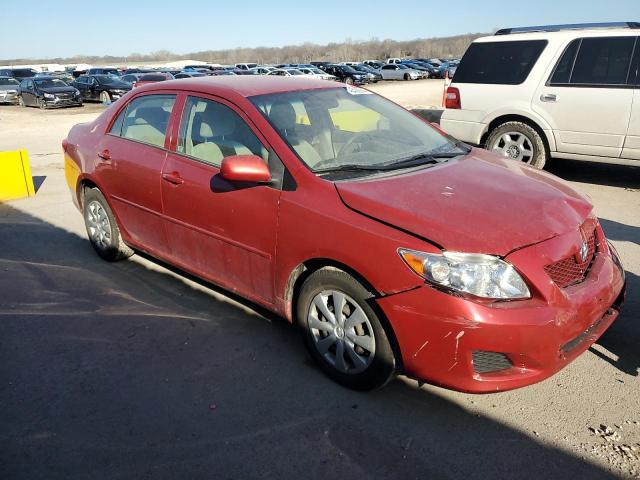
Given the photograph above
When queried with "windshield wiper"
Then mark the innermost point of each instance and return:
(350, 167)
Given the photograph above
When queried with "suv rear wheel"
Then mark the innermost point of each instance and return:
(519, 141)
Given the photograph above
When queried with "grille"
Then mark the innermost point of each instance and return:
(572, 270)
(486, 362)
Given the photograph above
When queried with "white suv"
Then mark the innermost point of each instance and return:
(569, 91)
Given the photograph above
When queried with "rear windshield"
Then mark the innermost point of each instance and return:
(499, 63)
(153, 78)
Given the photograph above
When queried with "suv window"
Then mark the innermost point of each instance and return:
(499, 63)
(603, 61)
(211, 131)
(146, 119)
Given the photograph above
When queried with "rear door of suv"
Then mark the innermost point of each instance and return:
(631, 148)
(586, 98)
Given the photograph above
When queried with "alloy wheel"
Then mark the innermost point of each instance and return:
(98, 225)
(514, 145)
(341, 332)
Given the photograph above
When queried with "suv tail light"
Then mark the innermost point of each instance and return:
(452, 99)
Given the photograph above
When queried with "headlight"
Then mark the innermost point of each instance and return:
(49, 95)
(484, 276)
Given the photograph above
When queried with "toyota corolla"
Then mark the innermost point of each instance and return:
(393, 247)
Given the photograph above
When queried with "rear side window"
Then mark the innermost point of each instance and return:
(146, 119)
(603, 61)
(595, 62)
(499, 63)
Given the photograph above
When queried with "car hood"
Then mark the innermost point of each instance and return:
(4, 88)
(57, 89)
(479, 203)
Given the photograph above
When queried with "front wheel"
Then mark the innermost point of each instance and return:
(407, 76)
(342, 332)
(41, 104)
(519, 141)
(21, 101)
(102, 228)
(348, 81)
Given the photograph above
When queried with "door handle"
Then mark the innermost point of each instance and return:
(105, 154)
(548, 97)
(173, 177)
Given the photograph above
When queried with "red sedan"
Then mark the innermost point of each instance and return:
(392, 246)
(152, 78)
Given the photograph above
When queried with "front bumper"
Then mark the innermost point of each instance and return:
(438, 333)
(62, 102)
(8, 96)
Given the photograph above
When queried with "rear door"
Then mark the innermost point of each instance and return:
(631, 148)
(222, 231)
(587, 100)
(129, 162)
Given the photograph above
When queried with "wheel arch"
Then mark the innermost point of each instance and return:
(545, 134)
(300, 273)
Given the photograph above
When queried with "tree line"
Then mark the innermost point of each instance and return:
(374, 48)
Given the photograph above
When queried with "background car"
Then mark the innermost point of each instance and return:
(131, 77)
(103, 71)
(397, 71)
(316, 72)
(152, 78)
(18, 73)
(45, 92)
(246, 66)
(286, 72)
(9, 87)
(103, 88)
(447, 69)
(372, 75)
(64, 76)
(346, 74)
(424, 71)
(262, 70)
(188, 75)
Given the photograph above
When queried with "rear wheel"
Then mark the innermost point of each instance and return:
(342, 332)
(519, 141)
(21, 101)
(102, 228)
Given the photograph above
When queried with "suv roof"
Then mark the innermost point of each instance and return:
(568, 26)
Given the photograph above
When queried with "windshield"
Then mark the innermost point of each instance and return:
(49, 83)
(317, 71)
(348, 126)
(294, 71)
(347, 69)
(8, 81)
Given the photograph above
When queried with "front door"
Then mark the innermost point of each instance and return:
(587, 100)
(221, 231)
(128, 165)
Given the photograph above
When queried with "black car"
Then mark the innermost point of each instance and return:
(374, 75)
(188, 75)
(103, 88)
(321, 65)
(45, 92)
(346, 74)
(18, 73)
(103, 71)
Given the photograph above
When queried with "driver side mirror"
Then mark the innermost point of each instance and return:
(245, 168)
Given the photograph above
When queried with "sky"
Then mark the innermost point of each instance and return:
(64, 28)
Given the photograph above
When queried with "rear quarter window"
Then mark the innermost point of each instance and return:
(499, 63)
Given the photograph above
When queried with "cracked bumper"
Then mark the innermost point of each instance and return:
(438, 333)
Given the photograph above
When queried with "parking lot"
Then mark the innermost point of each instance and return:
(134, 370)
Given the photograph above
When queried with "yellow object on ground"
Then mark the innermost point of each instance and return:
(15, 176)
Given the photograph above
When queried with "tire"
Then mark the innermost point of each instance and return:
(105, 98)
(407, 76)
(348, 81)
(21, 102)
(41, 104)
(519, 141)
(102, 228)
(327, 340)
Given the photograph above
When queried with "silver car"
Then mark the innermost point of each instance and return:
(8, 90)
(396, 71)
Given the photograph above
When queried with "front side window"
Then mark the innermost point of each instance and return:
(349, 128)
(146, 119)
(211, 131)
(499, 63)
(603, 61)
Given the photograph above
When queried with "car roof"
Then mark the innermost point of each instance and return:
(242, 85)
